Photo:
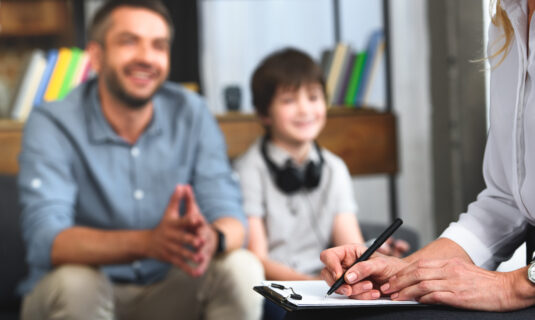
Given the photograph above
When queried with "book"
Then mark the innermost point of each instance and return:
(82, 71)
(299, 295)
(339, 55)
(374, 54)
(376, 72)
(325, 62)
(67, 82)
(28, 85)
(51, 60)
(56, 79)
(355, 79)
(346, 75)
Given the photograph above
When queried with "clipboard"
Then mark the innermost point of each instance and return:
(313, 296)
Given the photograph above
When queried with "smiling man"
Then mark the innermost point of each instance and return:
(129, 207)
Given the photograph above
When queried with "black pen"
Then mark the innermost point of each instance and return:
(366, 255)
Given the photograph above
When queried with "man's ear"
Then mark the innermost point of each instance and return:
(95, 51)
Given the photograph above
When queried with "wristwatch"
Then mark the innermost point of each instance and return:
(221, 243)
(531, 272)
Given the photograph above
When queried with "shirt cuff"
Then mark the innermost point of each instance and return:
(479, 253)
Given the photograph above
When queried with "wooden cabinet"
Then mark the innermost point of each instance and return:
(365, 140)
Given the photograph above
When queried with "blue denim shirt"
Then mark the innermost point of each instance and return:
(75, 170)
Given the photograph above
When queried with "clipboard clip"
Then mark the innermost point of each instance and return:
(292, 295)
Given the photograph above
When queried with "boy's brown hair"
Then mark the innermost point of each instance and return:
(286, 68)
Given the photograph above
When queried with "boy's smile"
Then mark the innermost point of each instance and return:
(296, 116)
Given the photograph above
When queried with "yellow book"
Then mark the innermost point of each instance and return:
(58, 75)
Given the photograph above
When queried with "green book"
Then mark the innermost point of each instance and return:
(71, 71)
(356, 75)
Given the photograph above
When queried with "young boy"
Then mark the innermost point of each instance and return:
(298, 197)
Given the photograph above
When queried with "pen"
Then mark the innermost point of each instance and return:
(366, 255)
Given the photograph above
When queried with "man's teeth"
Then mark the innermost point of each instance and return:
(139, 74)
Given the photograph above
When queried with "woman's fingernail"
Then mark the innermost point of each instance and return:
(394, 295)
(375, 294)
(351, 277)
(367, 286)
(385, 287)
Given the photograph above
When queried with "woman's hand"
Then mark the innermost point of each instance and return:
(461, 284)
(364, 278)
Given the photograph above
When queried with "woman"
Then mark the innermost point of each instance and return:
(453, 269)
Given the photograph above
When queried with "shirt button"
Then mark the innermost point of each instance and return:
(134, 152)
(139, 194)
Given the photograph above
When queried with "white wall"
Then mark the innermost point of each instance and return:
(412, 102)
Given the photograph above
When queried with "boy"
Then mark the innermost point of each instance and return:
(297, 196)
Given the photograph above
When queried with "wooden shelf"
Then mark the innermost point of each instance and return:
(33, 18)
(364, 139)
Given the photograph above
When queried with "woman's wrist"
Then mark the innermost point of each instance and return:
(520, 292)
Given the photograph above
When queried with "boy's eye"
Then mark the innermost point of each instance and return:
(287, 100)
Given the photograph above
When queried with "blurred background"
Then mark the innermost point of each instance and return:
(429, 76)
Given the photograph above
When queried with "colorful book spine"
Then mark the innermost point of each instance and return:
(355, 78)
(56, 80)
(82, 70)
(51, 60)
(29, 84)
(340, 97)
(373, 48)
(335, 70)
(70, 73)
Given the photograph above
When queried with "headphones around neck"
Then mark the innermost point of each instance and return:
(290, 179)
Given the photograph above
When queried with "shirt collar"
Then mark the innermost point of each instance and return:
(100, 129)
(279, 156)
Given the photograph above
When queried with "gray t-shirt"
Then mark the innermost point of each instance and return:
(298, 226)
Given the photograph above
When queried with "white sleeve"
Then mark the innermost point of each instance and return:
(493, 227)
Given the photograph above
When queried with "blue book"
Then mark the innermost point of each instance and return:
(51, 59)
(375, 41)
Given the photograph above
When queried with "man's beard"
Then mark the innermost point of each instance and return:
(118, 91)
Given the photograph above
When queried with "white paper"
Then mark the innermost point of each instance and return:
(313, 294)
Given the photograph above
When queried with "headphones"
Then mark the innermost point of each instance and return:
(290, 179)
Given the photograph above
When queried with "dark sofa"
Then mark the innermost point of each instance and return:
(12, 265)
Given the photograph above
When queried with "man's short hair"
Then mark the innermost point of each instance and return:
(101, 21)
(287, 68)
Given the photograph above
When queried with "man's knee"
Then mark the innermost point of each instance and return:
(240, 271)
(71, 290)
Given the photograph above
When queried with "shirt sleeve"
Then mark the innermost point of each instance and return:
(216, 189)
(250, 178)
(47, 190)
(346, 202)
(493, 227)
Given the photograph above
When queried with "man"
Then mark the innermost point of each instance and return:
(111, 224)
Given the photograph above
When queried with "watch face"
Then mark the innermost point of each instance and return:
(531, 272)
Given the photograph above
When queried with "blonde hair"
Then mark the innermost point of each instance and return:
(500, 19)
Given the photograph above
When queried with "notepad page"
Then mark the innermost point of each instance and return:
(313, 293)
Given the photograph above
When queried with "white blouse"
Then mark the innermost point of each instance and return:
(495, 224)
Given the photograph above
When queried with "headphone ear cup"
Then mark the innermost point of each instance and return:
(312, 175)
(289, 179)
